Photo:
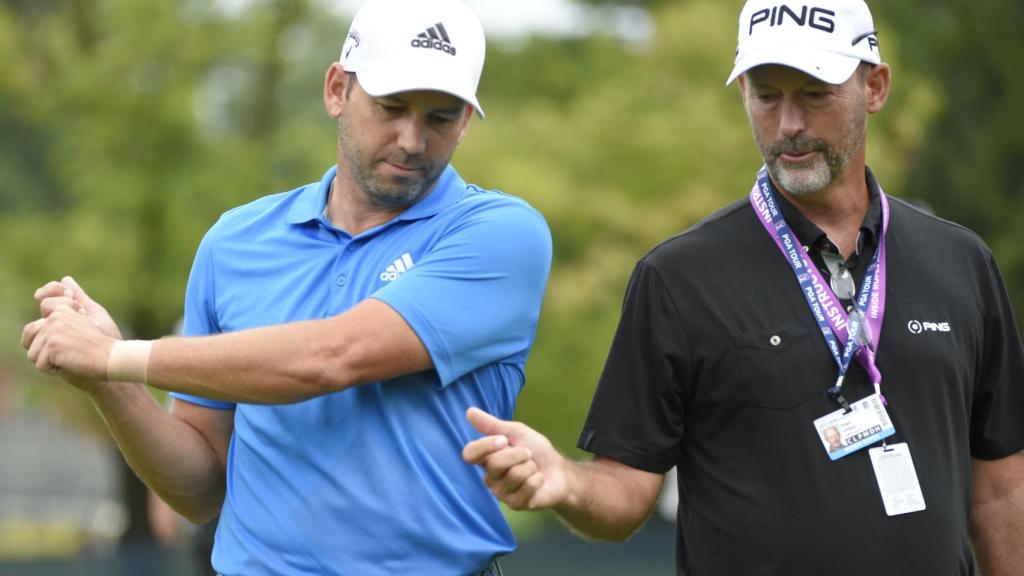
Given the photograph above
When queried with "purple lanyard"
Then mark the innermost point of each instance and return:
(847, 336)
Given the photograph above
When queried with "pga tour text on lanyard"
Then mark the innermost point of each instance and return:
(847, 335)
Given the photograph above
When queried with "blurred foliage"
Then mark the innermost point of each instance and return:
(126, 128)
(972, 169)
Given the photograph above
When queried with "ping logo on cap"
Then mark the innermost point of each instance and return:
(435, 37)
(813, 16)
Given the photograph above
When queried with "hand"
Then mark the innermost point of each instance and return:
(522, 468)
(68, 338)
(68, 292)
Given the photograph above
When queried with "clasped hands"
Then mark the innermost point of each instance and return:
(73, 335)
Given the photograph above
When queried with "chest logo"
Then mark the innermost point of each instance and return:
(399, 267)
(918, 327)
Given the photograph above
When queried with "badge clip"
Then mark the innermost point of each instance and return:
(836, 394)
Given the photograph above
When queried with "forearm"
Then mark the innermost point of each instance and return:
(998, 535)
(997, 515)
(271, 365)
(282, 364)
(291, 362)
(608, 500)
(174, 459)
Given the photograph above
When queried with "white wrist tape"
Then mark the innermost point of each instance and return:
(129, 361)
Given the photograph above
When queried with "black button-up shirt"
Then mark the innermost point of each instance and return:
(719, 368)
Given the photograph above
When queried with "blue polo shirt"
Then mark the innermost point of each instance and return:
(371, 480)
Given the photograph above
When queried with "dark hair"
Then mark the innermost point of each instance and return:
(351, 82)
(864, 69)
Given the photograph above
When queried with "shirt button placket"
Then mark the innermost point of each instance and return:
(341, 280)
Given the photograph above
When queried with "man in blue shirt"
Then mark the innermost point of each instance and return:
(336, 334)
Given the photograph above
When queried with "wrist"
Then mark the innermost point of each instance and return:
(572, 495)
(129, 361)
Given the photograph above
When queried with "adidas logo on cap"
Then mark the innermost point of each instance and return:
(435, 37)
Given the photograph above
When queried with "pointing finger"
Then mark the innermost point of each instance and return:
(488, 424)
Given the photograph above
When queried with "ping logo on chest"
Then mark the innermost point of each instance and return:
(918, 327)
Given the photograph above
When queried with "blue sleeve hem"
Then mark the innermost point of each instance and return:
(425, 331)
(205, 402)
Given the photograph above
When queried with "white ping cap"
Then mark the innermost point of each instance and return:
(827, 39)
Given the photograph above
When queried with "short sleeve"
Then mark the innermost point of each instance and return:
(997, 418)
(200, 311)
(474, 297)
(636, 416)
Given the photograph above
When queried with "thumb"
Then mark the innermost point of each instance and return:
(80, 294)
(486, 423)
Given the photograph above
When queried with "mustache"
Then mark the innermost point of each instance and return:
(410, 161)
(798, 144)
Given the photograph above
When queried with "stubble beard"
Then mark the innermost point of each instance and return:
(395, 193)
(821, 170)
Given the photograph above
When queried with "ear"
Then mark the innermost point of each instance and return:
(877, 86)
(335, 85)
(464, 129)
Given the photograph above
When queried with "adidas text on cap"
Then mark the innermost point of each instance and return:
(404, 45)
(827, 39)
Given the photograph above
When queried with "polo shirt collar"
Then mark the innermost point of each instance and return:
(812, 236)
(312, 199)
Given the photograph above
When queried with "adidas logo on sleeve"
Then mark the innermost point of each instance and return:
(402, 265)
(435, 37)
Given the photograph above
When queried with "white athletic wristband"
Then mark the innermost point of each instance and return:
(129, 361)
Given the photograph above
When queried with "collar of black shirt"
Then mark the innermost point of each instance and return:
(812, 237)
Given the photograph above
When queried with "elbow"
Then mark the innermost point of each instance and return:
(334, 377)
(325, 370)
(337, 371)
(199, 516)
(609, 531)
(620, 533)
(198, 510)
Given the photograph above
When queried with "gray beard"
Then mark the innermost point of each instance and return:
(809, 180)
(818, 173)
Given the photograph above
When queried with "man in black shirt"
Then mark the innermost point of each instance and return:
(748, 342)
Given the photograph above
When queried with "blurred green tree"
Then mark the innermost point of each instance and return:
(126, 129)
(972, 168)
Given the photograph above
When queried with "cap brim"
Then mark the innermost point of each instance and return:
(392, 81)
(825, 66)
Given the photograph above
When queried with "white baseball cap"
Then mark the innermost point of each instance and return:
(827, 39)
(403, 45)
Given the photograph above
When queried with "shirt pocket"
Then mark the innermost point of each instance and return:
(781, 367)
